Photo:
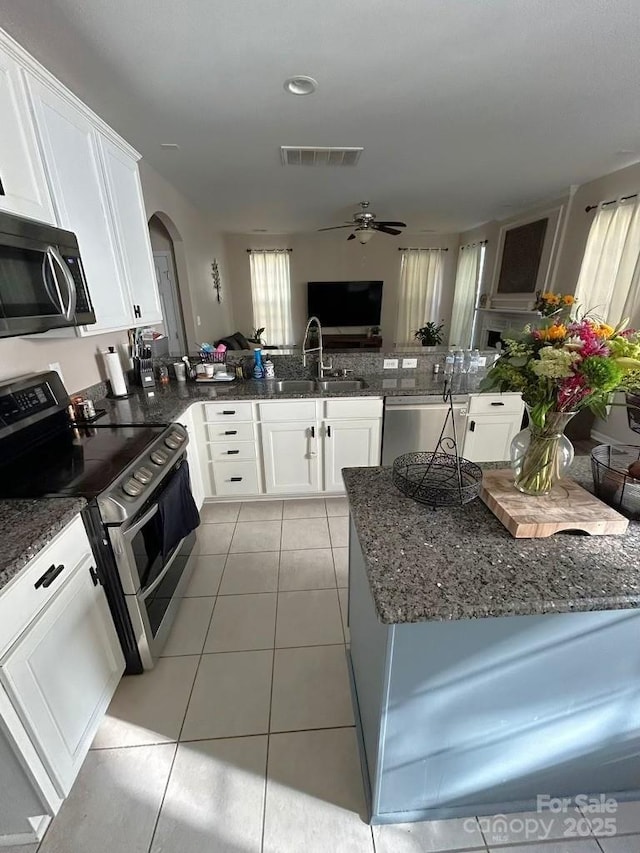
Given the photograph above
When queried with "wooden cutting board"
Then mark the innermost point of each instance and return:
(567, 507)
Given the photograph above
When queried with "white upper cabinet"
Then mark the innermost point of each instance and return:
(72, 160)
(127, 208)
(23, 186)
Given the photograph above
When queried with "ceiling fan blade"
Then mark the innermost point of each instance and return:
(333, 227)
(392, 224)
(351, 237)
(384, 229)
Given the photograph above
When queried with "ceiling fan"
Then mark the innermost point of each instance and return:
(364, 225)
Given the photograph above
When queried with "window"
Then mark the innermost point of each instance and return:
(420, 291)
(271, 295)
(465, 300)
(608, 284)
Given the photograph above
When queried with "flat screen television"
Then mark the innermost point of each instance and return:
(345, 303)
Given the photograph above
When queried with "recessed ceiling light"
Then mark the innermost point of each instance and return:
(300, 85)
(170, 146)
(260, 230)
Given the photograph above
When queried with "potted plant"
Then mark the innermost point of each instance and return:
(256, 336)
(430, 335)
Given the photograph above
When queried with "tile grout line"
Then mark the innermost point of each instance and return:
(164, 794)
(273, 667)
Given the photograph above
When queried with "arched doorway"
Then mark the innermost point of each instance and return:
(164, 259)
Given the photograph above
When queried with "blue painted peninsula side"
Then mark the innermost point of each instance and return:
(487, 670)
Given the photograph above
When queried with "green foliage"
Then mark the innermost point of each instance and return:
(430, 333)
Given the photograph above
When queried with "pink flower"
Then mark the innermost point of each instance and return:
(571, 392)
(591, 343)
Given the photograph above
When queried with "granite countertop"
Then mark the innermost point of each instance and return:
(27, 526)
(170, 401)
(461, 563)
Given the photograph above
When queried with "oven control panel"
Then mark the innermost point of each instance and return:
(18, 405)
(137, 483)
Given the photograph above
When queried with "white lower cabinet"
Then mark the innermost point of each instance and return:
(493, 421)
(60, 673)
(291, 458)
(289, 447)
(349, 444)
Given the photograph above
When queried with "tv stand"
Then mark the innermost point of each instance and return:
(372, 343)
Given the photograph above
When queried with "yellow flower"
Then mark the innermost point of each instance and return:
(557, 332)
(602, 330)
(568, 299)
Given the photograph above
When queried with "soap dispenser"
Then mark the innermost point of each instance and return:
(258, 368)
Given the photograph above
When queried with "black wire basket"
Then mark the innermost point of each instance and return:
(437, 479)
(611, 479)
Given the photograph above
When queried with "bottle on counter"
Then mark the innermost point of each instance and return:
(258, 367)
(449, 362)
(474, 361)
(269, 368)
(458, 361)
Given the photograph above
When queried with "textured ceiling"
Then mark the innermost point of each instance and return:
(467, 109)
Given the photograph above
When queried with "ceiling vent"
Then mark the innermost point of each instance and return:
(297, 155)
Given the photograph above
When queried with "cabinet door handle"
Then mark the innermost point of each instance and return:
(2, 192)
(49, 576)
(232, 452)
(497, 404)
(228, 411)
(236, 479)
(472, 426)
(137, 312)
(231, 432)
(328, 431)
(313, 432)
(95, 577)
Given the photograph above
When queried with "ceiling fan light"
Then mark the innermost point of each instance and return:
(364, 235)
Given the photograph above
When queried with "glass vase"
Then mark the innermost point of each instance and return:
(542, 456)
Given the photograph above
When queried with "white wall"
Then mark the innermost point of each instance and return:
(196, 244)
(79, 358)
(328, 256)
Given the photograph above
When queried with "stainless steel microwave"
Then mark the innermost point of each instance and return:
(42, 282)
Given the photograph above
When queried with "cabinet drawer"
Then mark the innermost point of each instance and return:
(22, 600)
(361, 408)
(230, 432)
(494, 404)
(228, 411)
(235, 478)
(232, 451)
(288, 410)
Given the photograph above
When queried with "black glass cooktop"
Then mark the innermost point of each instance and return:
(79, 462)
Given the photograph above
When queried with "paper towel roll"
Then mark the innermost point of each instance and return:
(114, 373)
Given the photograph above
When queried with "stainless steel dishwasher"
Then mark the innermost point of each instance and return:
(415, 423)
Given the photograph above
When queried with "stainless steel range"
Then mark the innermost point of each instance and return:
(129, 474)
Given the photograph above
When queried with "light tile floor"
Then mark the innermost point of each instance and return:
(242, 738)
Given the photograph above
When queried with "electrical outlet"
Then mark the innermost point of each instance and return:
(198, 322)
(409, 362)
(390, 364)
(55, 365)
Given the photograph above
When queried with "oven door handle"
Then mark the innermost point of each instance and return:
(130, 532)
(145, 593)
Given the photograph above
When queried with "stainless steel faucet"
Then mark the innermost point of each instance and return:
(305, 352)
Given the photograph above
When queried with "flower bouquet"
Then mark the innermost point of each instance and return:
(548, 303)
(561, 368)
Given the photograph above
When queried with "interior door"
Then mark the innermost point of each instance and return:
(62, 672)
(291, 458)
(349, 444)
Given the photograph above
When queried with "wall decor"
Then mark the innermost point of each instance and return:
(217, 284)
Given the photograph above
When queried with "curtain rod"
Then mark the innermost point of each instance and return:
(421, 249)
(591, 207)
(471, 245)
(275, 251)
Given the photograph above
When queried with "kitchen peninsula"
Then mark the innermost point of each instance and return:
(487, 670)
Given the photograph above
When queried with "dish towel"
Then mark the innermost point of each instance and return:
(177, 511)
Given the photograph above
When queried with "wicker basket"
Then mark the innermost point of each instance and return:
(437, 479)
(611, 479)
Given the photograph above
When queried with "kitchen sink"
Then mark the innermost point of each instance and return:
(295, 386)
(338, 384)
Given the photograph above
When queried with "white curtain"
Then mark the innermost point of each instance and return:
(420, 291)
(271, 295)
(464, 299)
(609, 280)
